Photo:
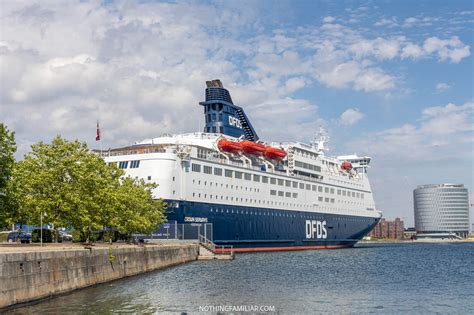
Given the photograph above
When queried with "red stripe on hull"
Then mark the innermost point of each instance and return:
(280, 248)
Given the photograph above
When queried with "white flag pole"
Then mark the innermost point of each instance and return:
(99, 135)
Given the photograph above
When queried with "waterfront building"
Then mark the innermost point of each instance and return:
(388, 229)
(409, 233)
(441, 211)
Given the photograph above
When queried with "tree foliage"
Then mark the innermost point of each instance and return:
(137, 210)
(76, 188)
(7, 160)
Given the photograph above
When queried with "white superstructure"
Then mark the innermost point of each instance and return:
(191, 167)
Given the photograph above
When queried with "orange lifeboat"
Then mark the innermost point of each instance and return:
(229, 146)
(346, 166)
(251, 147)
(272, 153)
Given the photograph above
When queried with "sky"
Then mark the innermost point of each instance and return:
(392, 80)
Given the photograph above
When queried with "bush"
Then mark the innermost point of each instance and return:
(48, 235)
(77, 236)
(99, 236)
(3, 236)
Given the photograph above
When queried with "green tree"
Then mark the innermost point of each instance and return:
(7, 160)
(76, 188)
(137, 211)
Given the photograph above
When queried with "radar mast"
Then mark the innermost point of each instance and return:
(320, 141)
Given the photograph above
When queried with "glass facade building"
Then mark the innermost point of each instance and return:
(441, 209)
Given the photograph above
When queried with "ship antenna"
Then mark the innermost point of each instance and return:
(320, 141)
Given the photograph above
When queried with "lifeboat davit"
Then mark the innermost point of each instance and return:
(251, 147)
(272, 153)
(229, 146)
(346, 166)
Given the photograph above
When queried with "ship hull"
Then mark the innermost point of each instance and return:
(250, 229)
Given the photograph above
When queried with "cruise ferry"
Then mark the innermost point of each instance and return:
(258, 195)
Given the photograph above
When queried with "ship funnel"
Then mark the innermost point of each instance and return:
(223, 116)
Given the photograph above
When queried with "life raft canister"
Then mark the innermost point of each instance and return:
(346, 166)
(252, 148)
(229, 146)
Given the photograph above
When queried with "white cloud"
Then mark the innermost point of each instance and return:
(380, 48)
(441, 133)
(79, 74)
(140, 67)
(411, 50)
(411, 21)
(294, 84)
(452, 49)
(350, 116)
(441, 87)
(285, 63)
(339, 76)
(388, 22)
(329, 19)
(374, 79)
(285, 119)
(419, 21)
(436, 148)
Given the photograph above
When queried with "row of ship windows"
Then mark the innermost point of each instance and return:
(268, 202)
(249, 200)
(274, 181)
(124, 164)
(306, 154)
(308, 166)
(204, 154)
(227, 186)
(344, 182)
(295, 195)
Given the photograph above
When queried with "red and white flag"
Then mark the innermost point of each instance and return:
(97, 135)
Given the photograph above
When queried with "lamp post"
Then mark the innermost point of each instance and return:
(41, 228)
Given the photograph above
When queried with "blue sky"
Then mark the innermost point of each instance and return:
(388, 79)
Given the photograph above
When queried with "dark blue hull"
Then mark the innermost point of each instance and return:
(253, 228)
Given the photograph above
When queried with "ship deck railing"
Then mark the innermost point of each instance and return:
(161, 149)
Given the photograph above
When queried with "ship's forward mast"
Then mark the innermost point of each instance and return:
(320, 141)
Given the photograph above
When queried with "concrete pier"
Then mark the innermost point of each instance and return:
(206, 254)
(32, 273)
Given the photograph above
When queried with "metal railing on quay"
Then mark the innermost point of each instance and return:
(172, 230)
(216, 249)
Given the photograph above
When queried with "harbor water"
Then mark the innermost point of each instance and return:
(413, 278)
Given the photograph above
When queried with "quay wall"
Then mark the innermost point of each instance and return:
(31, 275)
